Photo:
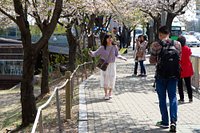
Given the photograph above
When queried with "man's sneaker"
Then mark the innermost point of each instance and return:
(134, 75)
(180, 101)
(173, 127)
(161, 125)
(144, 75)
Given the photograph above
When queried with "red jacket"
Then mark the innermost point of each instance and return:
(186, 64)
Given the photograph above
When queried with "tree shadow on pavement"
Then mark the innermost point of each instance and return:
(196, 131)
(103, 122)
(134, 84)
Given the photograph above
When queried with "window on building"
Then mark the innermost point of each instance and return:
(11, 67)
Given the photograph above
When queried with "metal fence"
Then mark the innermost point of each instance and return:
(196, 67)
(80, 73)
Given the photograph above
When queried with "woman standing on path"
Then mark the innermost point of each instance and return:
(141, 55)
(135, 55)
(186, 70)
(108, 77)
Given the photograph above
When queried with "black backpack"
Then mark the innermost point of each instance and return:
(168, 61)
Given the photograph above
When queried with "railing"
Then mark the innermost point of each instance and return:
(196, 66)
(69, 83)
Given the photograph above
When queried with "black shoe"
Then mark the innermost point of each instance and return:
(172, 128)
(144, 75)
(181, 101)
(161, 125)
(190, 100)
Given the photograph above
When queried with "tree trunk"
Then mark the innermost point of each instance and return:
(129, 37)
(123, 38)
(91, 39)
(170, 18)
(30, 53)
(156, 26)
(72, 49)
(134, 33)
(45, 72)
(101, 36)
(27, 95)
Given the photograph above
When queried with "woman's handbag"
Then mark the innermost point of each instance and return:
(103, 64)
(140, 54)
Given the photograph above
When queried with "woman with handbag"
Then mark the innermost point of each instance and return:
(135, 55)
(108, 52)
(141, 55)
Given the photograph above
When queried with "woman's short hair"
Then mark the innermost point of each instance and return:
(182, 40)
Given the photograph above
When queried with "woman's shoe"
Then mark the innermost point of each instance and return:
(106, 97)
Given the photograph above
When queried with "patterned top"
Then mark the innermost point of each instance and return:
(104, 53)
(156, 48)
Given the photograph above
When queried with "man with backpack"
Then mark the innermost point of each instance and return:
(166, 55)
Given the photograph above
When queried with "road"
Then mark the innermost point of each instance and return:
(195, 51)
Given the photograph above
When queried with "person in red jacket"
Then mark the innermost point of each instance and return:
(186, 70)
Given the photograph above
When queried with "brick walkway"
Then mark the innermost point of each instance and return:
(134, 106)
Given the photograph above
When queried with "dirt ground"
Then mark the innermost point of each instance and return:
(10, 111)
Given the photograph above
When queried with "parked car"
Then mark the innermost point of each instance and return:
(184, 33)
(197, 35)
(192, 41)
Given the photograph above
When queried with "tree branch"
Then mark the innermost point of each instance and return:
(21, 21)
(51, 26)
(37, 16)
(182, 7)
(147, 12)
(8, 15)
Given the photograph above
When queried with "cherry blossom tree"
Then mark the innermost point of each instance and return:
(170, 8)
(19, 11)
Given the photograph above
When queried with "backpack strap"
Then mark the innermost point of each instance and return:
(170, 44)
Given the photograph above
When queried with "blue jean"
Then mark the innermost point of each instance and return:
(142, 67)
(164, 86)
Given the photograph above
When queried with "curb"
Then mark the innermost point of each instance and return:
(83, 119)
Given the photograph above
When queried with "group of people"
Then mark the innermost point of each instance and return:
(168, 74)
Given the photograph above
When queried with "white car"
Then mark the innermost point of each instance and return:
(197, 35)
(192, 41)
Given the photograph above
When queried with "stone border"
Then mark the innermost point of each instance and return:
(82, 119)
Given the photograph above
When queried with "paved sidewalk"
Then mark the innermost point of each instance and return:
(134, 106)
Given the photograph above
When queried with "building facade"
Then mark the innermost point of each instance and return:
(11, 62)
(198, 9)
